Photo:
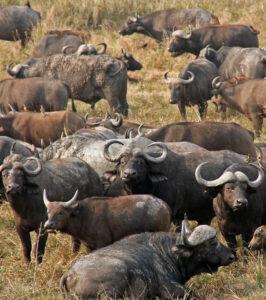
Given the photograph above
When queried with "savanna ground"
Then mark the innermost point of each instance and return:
(149, 103)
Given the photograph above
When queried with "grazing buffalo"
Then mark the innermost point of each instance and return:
(238, 203)
(25, 179)
(237, 61)
(90, 77)
(147, 265)
(98, 222)
(33, 93)
(247, 97)
(258, 241)
(147, 167)
(55, 40)
(17, 22)
(193, 86)
(214, 35)
(40, 129)
(162, 23)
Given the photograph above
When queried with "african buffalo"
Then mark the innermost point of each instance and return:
(130, 62)
(231, 136)
(238, 203)
(193, 86)
(32, 93)
(40, 129)
(258, 241)
(86, 49)
(25, 179)
(147, 265)
(214, 35)
(247, 97)
(17, 22)
(90, 77)
(55, 40)
(162, 23)
(100, 221)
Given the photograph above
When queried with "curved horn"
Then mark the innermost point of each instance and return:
(38, 168)
(187, 81)
(13, 71)
(181, 34)
(45, 199)
(200, 234)
(254, 184)
(103, 50)
(185, 231)
(117, 121)
(166, 76)
(118, 70)
(139, 130)
(216, 82)
(65, 48)
(225, 177)
(72, 202)
(159, 159)
(106, 150)
(12, 108)
(12, 148)
(129, 133)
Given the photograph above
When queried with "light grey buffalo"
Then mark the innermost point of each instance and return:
(90, 78)
(17, 22)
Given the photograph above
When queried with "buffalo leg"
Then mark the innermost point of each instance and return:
(24, 236)
(40, 244)
(203, 109)
(75, 245)
(138, 289)
(182, 109)
(231, 241)
(257, 121)
(171, 290)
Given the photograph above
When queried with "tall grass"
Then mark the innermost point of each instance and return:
(149, 103)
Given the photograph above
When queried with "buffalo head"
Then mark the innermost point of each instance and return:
(131, 63)
(202, 246)
(132, 25)
(178, 86)
(234, 186)
(59, 213)
(258, 241)
(178, 43)
(87, 49)
(15, 170)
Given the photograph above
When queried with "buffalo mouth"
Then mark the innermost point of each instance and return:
(239, 207)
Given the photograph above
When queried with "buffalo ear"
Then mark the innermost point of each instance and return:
(182, 251)
(75, 211)
(213, 191)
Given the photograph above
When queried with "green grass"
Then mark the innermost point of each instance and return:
(149, 103)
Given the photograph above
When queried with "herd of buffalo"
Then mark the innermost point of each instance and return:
(115, 185)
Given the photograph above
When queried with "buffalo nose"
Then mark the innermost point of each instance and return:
(12, 187)
(231, 257)
(241, 201)
(130, 173)
(49, 225)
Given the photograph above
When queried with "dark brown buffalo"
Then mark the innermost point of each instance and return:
(55, 40)
(32, 93)
(38, 128)
(17, 22)
(247, 97)
(98, 222)
(147, 265)
(130, 62)
(25, 179)
(215, 36)
(162, 23)
(258, 241)
(239, 204)
(231, 136)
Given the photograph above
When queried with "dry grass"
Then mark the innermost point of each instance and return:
(148, 100)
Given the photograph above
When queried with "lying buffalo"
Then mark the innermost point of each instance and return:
(162, 23)
(98, 222)
(214, 35)
(247, 97)
(231, 136)
(33, 93)
(90, 77)
(193, 86)
(25, 179)
(17, 22)
(147, 265)
(239, 203)
(55, 40)
(258, 241)
(40, 129)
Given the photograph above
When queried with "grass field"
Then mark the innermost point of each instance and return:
(149, 102)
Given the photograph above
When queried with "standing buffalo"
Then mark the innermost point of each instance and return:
(33, 93)
(231, 136)
(90, 77)
(258, 241)
(160, 24)
(215, 36)
(38, 128)
(55, 40)
(98, 222)
(25, 179)
(17, 22)
(147, 265)
(193, 86)
(247, 97)
(238, 203)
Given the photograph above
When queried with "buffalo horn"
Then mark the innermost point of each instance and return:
(200, 234)
(103, 50)
(254, 184)
(12, 148)
(13, 71)
(159, 159)
(216, 82)
(106, 150)
(72, 201)
(45, 199)
(187, 81)
(185, 231)
(117, 121)
(181, 34)
(12, 108)
(65, 48)
(38, 168)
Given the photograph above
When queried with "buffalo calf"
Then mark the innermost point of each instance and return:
(258, 241)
